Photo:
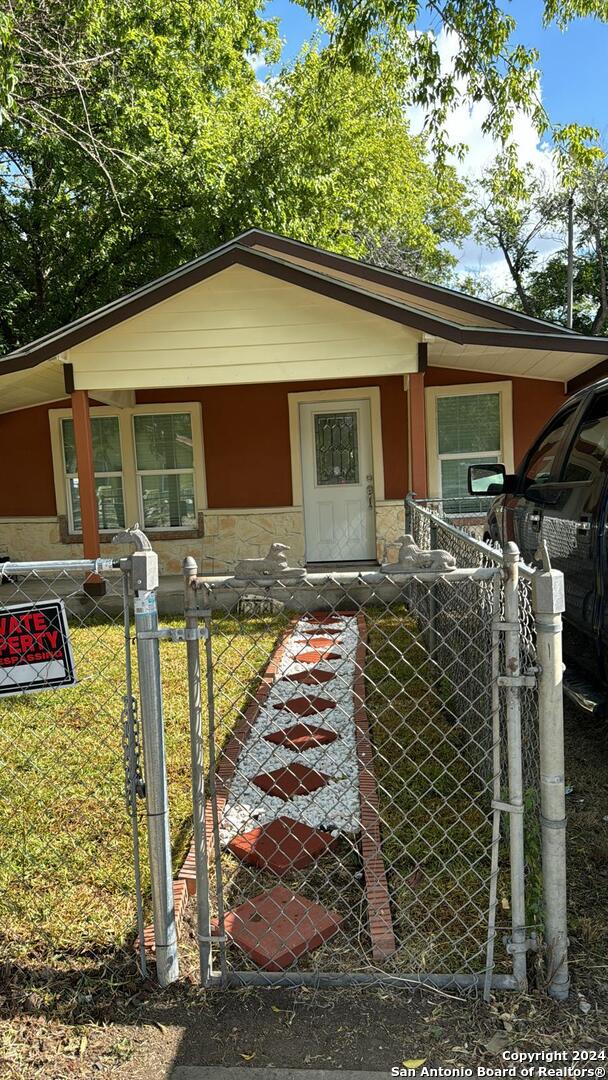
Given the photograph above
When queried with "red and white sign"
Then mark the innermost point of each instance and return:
(35, 648)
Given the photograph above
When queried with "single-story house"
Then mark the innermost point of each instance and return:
(268, 391)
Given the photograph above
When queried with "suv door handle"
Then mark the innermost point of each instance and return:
(583, 526)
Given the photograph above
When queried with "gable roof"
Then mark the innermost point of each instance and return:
(482, 312)
(393, 296)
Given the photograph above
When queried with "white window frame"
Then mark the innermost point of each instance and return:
(74, 476)
(130, 477)
(140, 473)
(504, 390)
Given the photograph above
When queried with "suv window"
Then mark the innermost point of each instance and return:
(540, 460)
(588, 457)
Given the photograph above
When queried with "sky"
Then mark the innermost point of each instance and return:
(572, 66)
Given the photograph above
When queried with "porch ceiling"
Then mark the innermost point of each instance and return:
(38, 386)
(552, 364)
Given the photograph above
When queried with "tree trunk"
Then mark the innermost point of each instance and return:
(517, 280)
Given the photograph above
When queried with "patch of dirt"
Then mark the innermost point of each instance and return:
(105, 1023)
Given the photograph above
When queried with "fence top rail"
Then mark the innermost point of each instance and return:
(495, 554)
(88, 566)
(346, 578)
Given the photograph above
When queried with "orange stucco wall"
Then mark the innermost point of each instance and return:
(246, 432)
(26, 465)
(534, 401)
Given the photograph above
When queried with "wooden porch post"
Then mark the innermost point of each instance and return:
(83, 441)
(417, 426)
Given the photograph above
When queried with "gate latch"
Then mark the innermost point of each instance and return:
(527, 681)
(175, 634)
(529, 944)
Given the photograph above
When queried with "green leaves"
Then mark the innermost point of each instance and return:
(153, 141)
(487, 63)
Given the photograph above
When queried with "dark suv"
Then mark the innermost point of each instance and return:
(559, 495)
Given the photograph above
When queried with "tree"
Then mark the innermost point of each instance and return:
(201, 150)
(515, 223)
(335, 165)
(488, 65)
(547, 285)
(512, 217)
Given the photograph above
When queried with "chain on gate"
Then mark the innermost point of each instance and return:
(135, 787)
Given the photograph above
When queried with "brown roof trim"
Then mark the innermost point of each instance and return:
(579, 382)
(393, 279)
(116, 312)
(233, 253)
(414, 318)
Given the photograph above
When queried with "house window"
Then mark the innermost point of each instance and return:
(336, 448)
(466, 424)
(165, 470)
(149, 466)
(107, 460)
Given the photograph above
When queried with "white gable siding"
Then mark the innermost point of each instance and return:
(242, 326)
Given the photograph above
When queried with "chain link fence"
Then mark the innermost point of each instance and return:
(432, 524)
(356, 750)
(66, 870)
(353, 831)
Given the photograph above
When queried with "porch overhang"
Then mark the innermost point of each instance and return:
(263, 309)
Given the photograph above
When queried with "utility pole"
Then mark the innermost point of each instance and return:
(570, 277)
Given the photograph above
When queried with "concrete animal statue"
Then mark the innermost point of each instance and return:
(412, 558)
(274, 565)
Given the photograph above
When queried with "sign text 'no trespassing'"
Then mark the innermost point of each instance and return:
(35, 649)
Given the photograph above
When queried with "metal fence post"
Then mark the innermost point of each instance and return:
(432, 636)
(190, 572)
(408, 513)
(548, 603)
(144, 568)
(518, 946)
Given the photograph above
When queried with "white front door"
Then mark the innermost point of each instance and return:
(337, 481)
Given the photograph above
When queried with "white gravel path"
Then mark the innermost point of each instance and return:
(335, 806)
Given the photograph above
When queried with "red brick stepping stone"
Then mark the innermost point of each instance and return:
(324, 620)
(281, 845)
(313, 656)
(325, 627)
(302, 737)
(276, 927)
(314, 677)
(291, 780)
(321, 643)
(306, 706)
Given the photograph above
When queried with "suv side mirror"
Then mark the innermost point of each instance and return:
(490, 479)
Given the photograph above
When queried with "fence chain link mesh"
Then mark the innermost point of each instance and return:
(434, 520)
(356, 773)
(354, 719)
(67, 885)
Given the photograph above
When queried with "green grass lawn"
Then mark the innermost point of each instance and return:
(66, 868)
(433, 776)
(66, 874)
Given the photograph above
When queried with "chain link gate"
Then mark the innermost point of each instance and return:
(361, 737)
(71, 757)
(377, 766)
(87, 742)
